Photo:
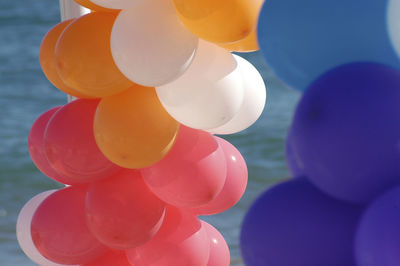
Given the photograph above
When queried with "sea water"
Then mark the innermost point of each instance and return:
(25, 94)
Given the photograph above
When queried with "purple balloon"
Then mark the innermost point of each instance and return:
(294, 224)
(378, 236)
(346, 131)
(292, 163)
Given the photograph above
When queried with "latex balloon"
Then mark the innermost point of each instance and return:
(220, 21)
(24, 229)
(70, 146)
(393, 7)
(219, 250)
(235, 183)
(182, 240)
(378, 235)
(248, 44)
(299, 50)
(150, 45)
(59, 229)
(192, 173)
(117, 4)
(343, 131)
(92, 6)
(291, 158)
(132, 128)
(253, 100)
(110, 258)
(36, 146)
(294, 224)
(209, 93)
(83, 57)
(122, 212)
(47, 61)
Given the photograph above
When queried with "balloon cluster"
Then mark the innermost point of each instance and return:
(155, 80)
(343, 146)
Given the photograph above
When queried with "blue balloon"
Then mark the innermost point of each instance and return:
(302, 39)
(378, 236)
(291, 161)
(346, 131)
(294, 224)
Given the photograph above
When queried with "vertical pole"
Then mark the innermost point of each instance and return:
(70, 9)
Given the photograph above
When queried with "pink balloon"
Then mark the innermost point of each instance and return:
(192, 173)
(219, 250)
(235, 183)
(110, 258)
(122, 212)
(24, 229)
(70, 145)
(182, 240)
(59, 229)
(36, 147)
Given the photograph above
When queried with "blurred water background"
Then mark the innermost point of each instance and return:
(25, 94)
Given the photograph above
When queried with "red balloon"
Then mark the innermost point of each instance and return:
(59, 229)
(122, 212)
(235, 183)
(110, 258)
(182, 240)
(219, 250)
(70, 145)
(192, 173)
(36, 147)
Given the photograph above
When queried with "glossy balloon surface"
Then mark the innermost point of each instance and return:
(192, 173)
(122, 212)
(219, 250)
(110, 258)
(343, 131)
(132, 128)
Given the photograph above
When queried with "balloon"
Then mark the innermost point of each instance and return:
(299, 50)
(182, 240)
(70, 146)
(294, 224)
(291, 158)
(59, 229)
(378, 235)
(248, 44)
(92, 6)
(110, 258)
(235, 183)
(343, 131)
(24, 229)
(253, 100)
(116, 4)
(83, 58)
(393, 8)
(36, 146)
(192, 173)
(47, 61)
(209, 93)
(132, 128)
(219, 250)
(221, 21)
(122, 212)
(150, 45)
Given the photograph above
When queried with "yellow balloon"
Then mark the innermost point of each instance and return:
(219, 21)
(248, 44)
(132, 129)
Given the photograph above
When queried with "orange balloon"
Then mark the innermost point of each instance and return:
(132, 129)
(83, 56)
(219, 21)
(94, 7)
(46, 58)
(248, 44)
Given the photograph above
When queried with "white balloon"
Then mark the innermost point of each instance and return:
(24, 229)
(393, 23)
(209, 93)
(253, 102)
(116, 4)
(150, 45)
